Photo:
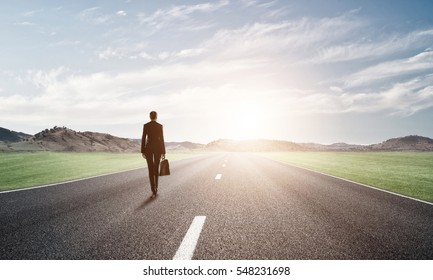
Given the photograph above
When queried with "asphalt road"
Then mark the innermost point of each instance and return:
(258, 209)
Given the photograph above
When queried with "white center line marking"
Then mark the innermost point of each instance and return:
(218, 176)
(189, 242)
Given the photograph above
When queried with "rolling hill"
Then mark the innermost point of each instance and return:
(7, 135)
(65, 139)
(407, 143)
(260, 145)
(183, 146)
(68, 140)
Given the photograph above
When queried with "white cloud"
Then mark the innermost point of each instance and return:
(402, 98)
(296, 41)
(121, 13)
(252, 58)
(366, 47)
(11, 77)
(94, 15)
(31, 13)
(163, 55)
(43, 79)
(162, 17)
(25, 23)
(132, 51)
(249, 3)
(392, 69)
(267, 5)
(336, 89)
(190, 91)
(257, 39)
(186, 90)
(64, 43)
(109, 53)
(272, 14)
(279, 65)
(193, 26)
(145, 55)
(190, 52)
(428, 32)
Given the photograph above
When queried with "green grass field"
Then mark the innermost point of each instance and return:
(26, 169)
(407, 173)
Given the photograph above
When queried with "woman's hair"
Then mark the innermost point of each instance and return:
(153, 115)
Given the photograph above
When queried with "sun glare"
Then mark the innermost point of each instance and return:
(247, 123)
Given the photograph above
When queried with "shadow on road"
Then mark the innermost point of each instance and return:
(145, 203)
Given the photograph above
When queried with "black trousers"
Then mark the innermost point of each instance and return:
(153, 160)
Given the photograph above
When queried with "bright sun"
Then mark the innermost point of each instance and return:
(247, 123)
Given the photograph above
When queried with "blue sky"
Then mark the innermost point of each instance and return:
(306, 71)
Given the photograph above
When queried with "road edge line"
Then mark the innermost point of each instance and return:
(70, 181)
(353, 182)
(77, 180)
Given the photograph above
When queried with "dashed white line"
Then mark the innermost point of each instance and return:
(218, 176)
(189, 242)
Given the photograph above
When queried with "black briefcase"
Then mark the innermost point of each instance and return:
(164, 168)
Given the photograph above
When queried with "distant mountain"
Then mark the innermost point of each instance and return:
(182, 146)
(407, 143)
(65, 139)
(260, 145)
(7, 135)
(177, 146)
(335, 147)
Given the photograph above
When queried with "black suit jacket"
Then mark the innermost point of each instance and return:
(153, 138)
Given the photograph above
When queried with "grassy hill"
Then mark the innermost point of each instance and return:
(260, 145)
(7, 135)
(67, 140)
(407, 143)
